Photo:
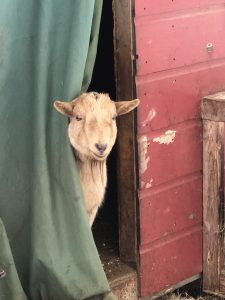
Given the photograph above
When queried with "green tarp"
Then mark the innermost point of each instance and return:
(47, 51)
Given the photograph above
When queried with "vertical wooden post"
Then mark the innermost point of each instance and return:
(213, 136)
(126, 144)
(213, 115)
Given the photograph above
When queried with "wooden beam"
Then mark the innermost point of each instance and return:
(213, 192)
(126, 165)
(213, 107)
(213, 136)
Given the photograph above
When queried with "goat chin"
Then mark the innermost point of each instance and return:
(98, 157)
(91, 157)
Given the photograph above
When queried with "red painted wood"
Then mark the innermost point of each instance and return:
(177, 159)
(171, 208)
(174, 71)
(180, 40)
(170, 261)
(172, 97)
(146, 7)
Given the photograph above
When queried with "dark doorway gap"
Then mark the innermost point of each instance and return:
(105, 228)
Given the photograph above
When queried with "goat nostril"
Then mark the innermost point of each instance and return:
(101, 147)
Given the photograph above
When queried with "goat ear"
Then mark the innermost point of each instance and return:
(65, 108)
(124, 107)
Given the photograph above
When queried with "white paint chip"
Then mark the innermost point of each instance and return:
(149, 184)
(143, 154)
(167, 138)
(150, 117)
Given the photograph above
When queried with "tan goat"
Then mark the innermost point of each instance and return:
(92, 132)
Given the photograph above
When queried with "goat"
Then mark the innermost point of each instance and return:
(92, 132)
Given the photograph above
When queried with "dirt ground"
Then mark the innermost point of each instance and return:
(177, 297)
(108, 250)
(192, 291)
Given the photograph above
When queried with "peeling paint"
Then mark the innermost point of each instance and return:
(143, 154)
(167, 138)
(150, 117)
(149, 184)
(142, 184)
(192, 216)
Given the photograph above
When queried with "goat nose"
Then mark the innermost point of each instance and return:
(101, 147)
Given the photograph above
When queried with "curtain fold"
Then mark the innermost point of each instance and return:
(47, 51)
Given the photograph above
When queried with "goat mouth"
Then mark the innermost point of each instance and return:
(99, 156)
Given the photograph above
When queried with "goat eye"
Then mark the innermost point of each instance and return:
(78, 118)
(114, 117)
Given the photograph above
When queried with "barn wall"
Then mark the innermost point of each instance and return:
(176, 67)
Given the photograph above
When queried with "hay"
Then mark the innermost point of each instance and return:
(183, 297)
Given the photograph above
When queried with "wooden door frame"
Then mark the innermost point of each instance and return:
(126, 144)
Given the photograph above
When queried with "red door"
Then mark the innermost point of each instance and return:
(180, 58)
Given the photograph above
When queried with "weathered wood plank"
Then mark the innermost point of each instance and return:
(222, 282)
(170, 261)
(163, 40)
(213, 201)
(126, 164)
(168, 214)
(146, 7)
(213, 107)
(166, 107)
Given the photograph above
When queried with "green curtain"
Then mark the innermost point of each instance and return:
(47, 51)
